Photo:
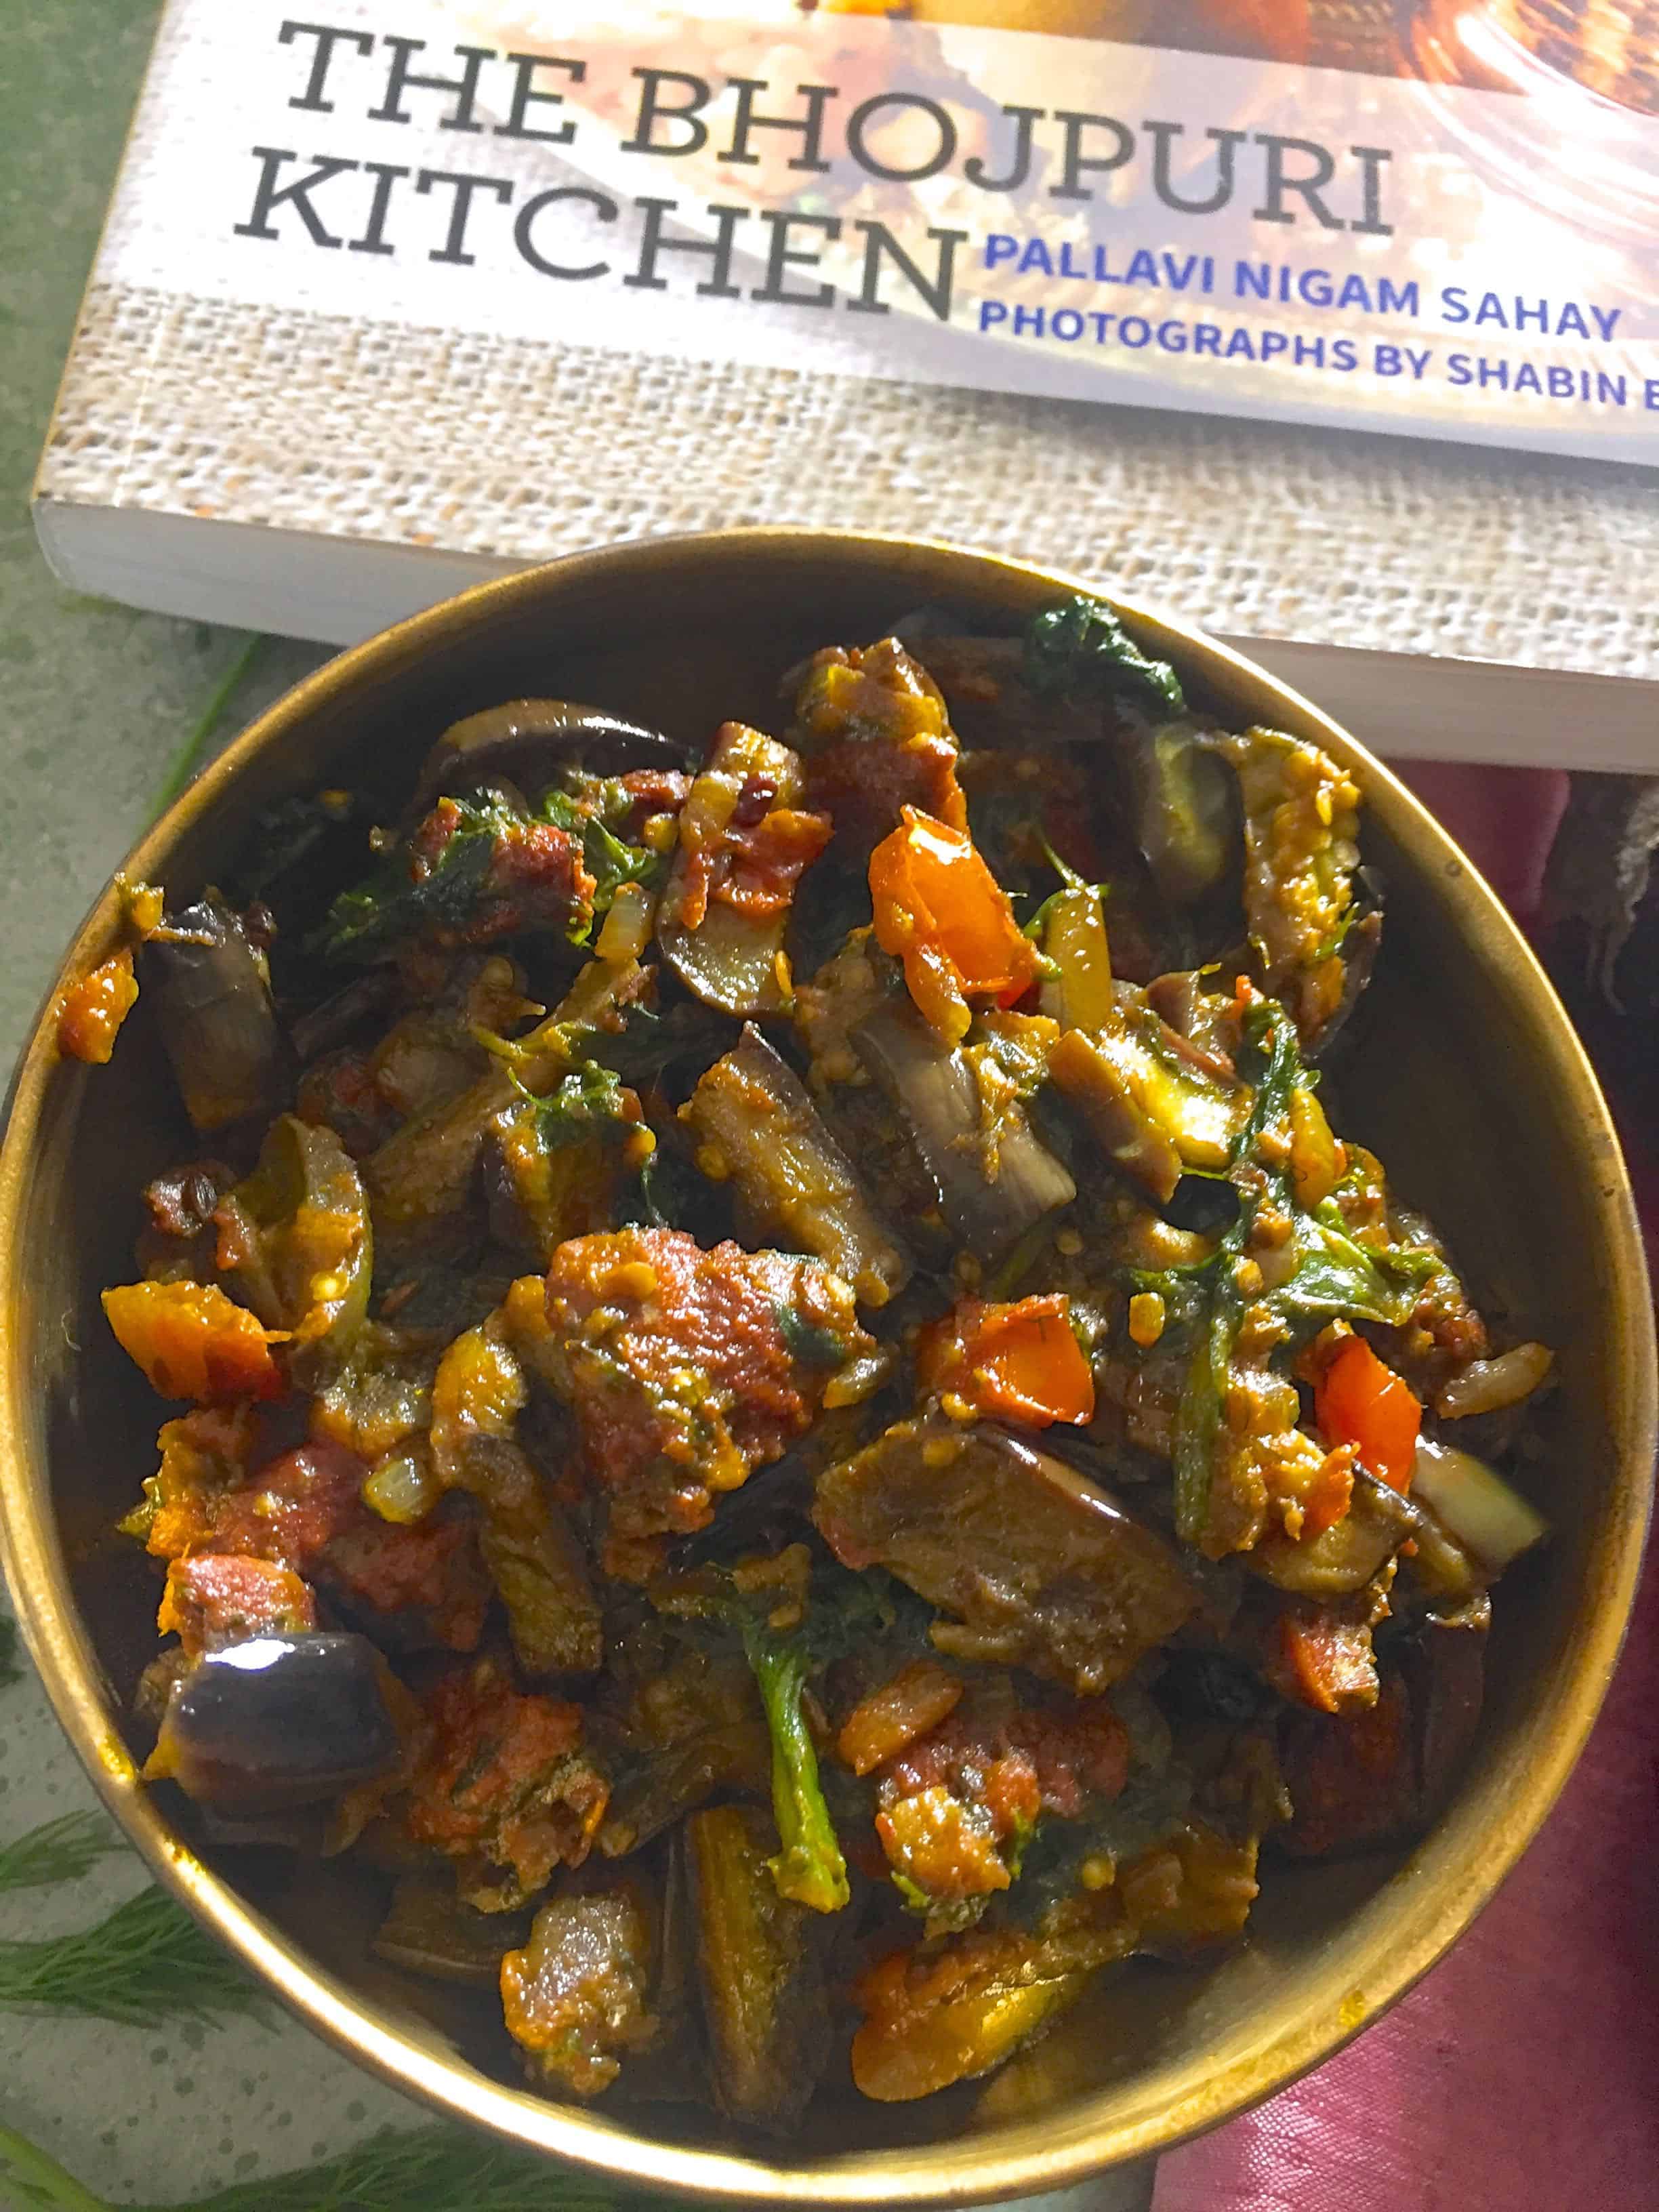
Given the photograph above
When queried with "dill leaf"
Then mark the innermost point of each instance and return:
(147, 1961)
(187, 759)
(59, 1850)
(30, 2178)
(443, 2168)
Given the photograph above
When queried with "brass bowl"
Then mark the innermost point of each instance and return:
(1475, 1092)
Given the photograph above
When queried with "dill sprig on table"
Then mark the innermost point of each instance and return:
(147, 1961)
(59, 1850)
(185, 762)
(431, 2169)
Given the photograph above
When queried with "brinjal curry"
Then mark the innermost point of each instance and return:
(788, 1408)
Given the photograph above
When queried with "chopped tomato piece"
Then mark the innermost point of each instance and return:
(213, 1599)
(192, 1341)
(939, 910)
(91, 1011)
(1359, 1400)
(1013, 1362)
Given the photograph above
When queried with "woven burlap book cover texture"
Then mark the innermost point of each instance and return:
(405, 398)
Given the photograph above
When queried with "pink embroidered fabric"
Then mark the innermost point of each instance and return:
(1524, 2071)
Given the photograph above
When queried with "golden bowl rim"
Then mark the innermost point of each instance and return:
(971, 2170)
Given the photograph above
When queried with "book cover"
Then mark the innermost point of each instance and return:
(408, 293)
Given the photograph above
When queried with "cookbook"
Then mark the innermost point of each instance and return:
(1335, 320)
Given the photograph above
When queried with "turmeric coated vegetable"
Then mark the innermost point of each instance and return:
(90, 1012)
(192, 1341)
(294, 1237)
(575, 1997)
(761, 1978)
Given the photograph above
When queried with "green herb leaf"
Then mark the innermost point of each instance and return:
(811, 1345)
(59, 1850)
(148, 1961)
(32, 2177)
(390, 905)
(588, 1103)
(11, 1666)
(1335, 1276)
(809, 1866)
(1078, 647)
(1272, 1041)
(183, 765)
(589, 812)
(442, 2168)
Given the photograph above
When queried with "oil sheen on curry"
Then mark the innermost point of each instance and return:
(786, 1407)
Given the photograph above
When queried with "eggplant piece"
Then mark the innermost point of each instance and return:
(960, 2036)
(795, 1187)
(765, 2006)
(1360, 1781)
(297, 1238)
(548, 1177)
(537, 1564)
(1183, 810)
(1344, 1557)
(1353, 1777)
(218, 1024)
(426, 1169)
(1360, 947)
(1301, 822)
(530, 740)
(933, 1088)
(1155, 1103)
(1446, 1668)
(278, 1722)
(430, 1931)
(725, 956)
(1079, 995)
(651, 1797)
(1040, 1568)
(339, 1016)
(534, 1558)
(990, 705)
(576, 1997)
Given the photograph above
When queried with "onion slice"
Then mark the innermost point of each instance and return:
(1481, 1508)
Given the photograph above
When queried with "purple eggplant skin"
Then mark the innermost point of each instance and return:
(278, 1722)
(932, 1089)
(1041, 1568)
(1361, 1782)
(213, 1003)
(530, 741)
(1445, 1668)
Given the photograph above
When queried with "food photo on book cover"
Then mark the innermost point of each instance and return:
(830, 1377)
(1108, 219)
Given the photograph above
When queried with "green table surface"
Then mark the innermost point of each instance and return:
(94, 702)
